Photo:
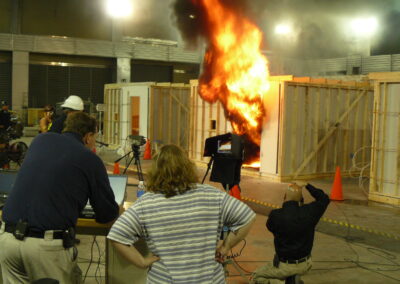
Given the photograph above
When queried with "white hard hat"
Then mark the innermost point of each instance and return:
(73, 102)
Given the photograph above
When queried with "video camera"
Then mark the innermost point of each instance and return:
(227, 145)
(227, 155)
(137, 140)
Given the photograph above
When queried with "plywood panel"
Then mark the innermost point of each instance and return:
(385, 164)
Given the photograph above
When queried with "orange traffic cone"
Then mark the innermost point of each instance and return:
(235, 192)
(336, 192)
(147, 151)
(116, 168)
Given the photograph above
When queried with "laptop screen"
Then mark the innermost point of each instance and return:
(118, 185)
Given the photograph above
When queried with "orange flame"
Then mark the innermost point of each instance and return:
(235, 71)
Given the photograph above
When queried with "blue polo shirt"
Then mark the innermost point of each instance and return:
(58, 176)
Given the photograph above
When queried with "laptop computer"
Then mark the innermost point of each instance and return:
(118, 184)
(7, 180)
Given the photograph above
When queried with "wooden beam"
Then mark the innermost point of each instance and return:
(383, 145)
(385, 76)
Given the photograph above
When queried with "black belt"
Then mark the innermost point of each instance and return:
(10, 228)
(292, 261)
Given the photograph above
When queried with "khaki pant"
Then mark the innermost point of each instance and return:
(32, 259)
(271, 274)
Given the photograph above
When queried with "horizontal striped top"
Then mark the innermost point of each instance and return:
(183, 231)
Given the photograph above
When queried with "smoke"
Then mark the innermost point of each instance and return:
(190, 17)
(321, 28)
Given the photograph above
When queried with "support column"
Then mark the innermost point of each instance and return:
(20, 80)
(123, 70)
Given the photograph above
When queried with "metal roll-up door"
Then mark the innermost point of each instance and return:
(53, 84)
(151, 73)
(38, 95)
(80, 82)
(58, 84)
(5, 82)
(100, 77)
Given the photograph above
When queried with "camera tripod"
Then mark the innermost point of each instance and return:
(136, 157)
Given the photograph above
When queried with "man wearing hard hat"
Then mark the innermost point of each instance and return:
(71, 104)
(293, 227)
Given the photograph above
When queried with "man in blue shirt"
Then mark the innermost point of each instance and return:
(59, 175)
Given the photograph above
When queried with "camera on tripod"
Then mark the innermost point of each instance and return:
(226, 152)
(137, 140)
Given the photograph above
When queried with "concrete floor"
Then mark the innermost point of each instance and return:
(356, 242)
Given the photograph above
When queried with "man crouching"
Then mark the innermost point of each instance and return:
(293, 227)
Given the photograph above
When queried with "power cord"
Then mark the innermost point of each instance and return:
(98, 263)
(361, 168)
(390, 257)
(91, 259)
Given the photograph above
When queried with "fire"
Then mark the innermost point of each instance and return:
(252, 165)
(235, 71)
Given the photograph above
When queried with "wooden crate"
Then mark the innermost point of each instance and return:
(158, 111)
(206, 120)
(385, 160)
(313, 126)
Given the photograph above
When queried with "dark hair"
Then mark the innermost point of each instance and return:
(81, 123)
(172, 172)
(48, 108)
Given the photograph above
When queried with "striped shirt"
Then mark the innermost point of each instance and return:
(183, 231)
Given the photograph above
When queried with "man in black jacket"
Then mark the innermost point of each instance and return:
(59, 175)
(293, 227)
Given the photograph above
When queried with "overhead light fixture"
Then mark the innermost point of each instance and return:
(119, 8)
(283, 29)
(364, 26)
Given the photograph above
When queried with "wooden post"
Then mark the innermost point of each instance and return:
(151, 116)
(316, 127)
(326, 126)
(170, 115)
(346, 135)
(375, 137)
(383, 116)
(293, 142)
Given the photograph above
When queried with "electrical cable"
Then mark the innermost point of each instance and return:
(361, 169)
(361, 264)
(91, 259)
(98, 263)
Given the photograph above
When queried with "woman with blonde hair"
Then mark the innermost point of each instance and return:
(181, 222)
(47, 120)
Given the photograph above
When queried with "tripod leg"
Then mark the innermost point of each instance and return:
(127, 166)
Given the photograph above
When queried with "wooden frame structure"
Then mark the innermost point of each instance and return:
(164, 113)
(385, 159)
(311, 126)
(206, 120)
(169, 114)
(319, 124)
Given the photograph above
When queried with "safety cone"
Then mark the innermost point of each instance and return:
(116, 168)
(235, 192)
(336, 192)
(147, 151)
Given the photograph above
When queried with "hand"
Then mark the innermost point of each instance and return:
(221, 252)
(149, 260)
(295, 187)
